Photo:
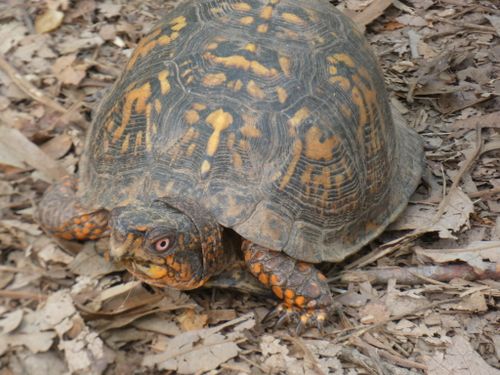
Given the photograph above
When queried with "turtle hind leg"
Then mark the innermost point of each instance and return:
(303, 289)
(62, 216)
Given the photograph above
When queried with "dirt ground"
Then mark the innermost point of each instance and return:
(423, 298)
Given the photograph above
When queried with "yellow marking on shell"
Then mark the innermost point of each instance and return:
(299, 117)
(249, 130)
(219, 121)
(343, 58)
(149, 127)
(137, 96)
(125, 144)
(164, 84)
(282, 94)
(315, 148)
(199, 106)
(241, 62)
(110, 125)
(191, 117)
(244, 145)
(237, 162)
(250, 47)
(212, 46)
(322, 179)
(105, 145)
(148, 43)
(157, 105)
(191, 149)
(292, 18)
(145, 45)
(235, 85)
(178, 23)
(343, 82)
(346, 111)
(248, 20)
(242, 7)
(255, 91)
(205, 166)
(262, 28)
(305, 178)
(186, 72)
(138, 141)
(296, 152)
(214, 79)
(231, 138)
(313, 16)
(274, 2)
(285, 65)
(357, 99)
(266, 12)
(332, 69)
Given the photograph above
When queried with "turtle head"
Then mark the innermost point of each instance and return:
(162, 245)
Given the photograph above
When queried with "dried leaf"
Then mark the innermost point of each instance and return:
(23, 149)
(477, 254)
(10, 321)
(454, 218)
(459, 359)
(50, 20)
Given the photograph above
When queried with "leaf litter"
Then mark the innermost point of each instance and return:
(423, 298)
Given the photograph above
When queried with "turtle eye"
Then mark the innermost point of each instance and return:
(162, 245)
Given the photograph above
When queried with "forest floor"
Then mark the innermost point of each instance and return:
(422, 298)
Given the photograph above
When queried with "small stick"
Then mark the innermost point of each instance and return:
(30, 90)
(15, 294)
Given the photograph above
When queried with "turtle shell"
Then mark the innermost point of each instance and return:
(273, 114)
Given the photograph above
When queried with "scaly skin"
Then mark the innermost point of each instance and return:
(61, 214)
(303, 289)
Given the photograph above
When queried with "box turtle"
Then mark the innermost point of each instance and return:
(264, 122)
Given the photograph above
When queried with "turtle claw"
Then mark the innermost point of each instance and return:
(304, 319)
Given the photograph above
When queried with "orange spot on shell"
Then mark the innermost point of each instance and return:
(242, 7)
(255, 91)
(214, 79)
(137, 97)
(191, 117)
(315, 148)
(264, 278)
(277, 291)
(248, 20)
(300, 300)
(293, 18)
(262, 28)
(266, 12)
(289, 294)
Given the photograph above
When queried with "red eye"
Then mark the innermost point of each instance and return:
(162, 245)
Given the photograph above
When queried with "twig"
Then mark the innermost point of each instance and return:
(414, 275)
(14, 294)
(466, 25)
(392, 357)
(308, 356)
(28, 88)
(360, 330)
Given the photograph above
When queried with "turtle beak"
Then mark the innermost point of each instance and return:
(120, 247)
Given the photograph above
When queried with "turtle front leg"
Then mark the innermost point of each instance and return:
(61, 214)
(303, 289)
